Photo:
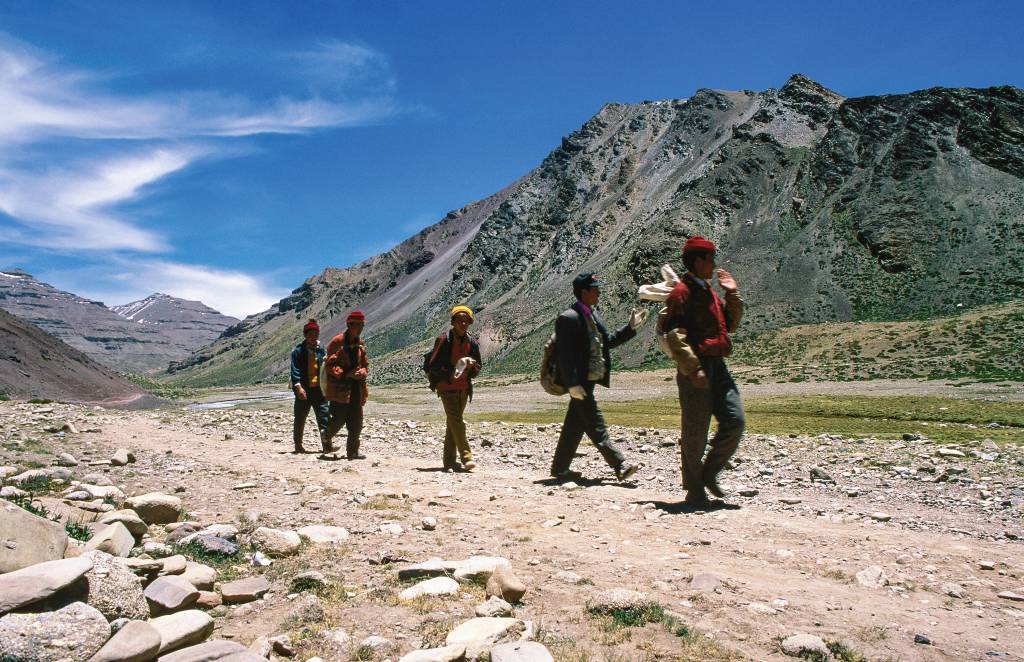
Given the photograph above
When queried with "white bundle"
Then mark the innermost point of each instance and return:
(660, 291)
(461, 365)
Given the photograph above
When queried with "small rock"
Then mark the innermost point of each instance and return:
(953, 590)
(504, 584)
(800, 645)
(276, 543)
(790, 501)
(429, 523)
(435, 586)
(521, 651)
(156, 507)
(244, 590)
(922, 639)
(987, 565)
(217, 649)
(183, 628)
(114, 539)
(568, 577)
(199, 575)
(494, 607)
(310, 580)
(881, 517)
(307, 609)
(323, 535)
(705, 581)
(1010, 595)
(748, 492)
(375, 643)
(872, 577)
(216, 545)
(479, 635)
(66, 460)
(282, 644)
(170, 594)
(445, 654)
(121, 457)
(129, 518)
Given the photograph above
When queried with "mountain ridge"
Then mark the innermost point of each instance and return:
(826, 208)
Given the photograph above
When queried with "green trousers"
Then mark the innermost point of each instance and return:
(455, 433)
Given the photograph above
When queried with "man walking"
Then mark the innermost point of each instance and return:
(307, 357)
(698, 323)
(453, 363)
(582, 345)
(345, 384)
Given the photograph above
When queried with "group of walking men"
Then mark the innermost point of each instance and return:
(695, 323)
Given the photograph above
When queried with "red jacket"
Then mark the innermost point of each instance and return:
(341, 373)
(703, 314)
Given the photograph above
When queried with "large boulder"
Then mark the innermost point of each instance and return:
(112, 588)
(27, 539)
(156, 507)
(504, 584)
(75, 633)
(183, 628)
(217, 649)
(39, 582)
(136, 641)
(521, 651)
(199, 575)
(275, 542)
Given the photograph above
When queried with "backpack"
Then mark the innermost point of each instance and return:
(549, 368)
(435, 373)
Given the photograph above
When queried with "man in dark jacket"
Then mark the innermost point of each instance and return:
(582, 353)
(307, 357)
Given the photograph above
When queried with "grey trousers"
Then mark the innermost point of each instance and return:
(721, 400)
(584, 417)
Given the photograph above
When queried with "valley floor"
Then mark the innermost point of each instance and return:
(896, 538)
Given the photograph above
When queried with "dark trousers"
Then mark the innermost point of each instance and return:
(314, 400)
(721, 400)
(583, 416)
(350, 416)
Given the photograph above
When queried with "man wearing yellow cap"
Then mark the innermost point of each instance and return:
(453, 363)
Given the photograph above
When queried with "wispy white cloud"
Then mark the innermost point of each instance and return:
(115, 146)
(40, 99)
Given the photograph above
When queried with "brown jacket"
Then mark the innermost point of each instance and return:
(696, 322)
(340, 372)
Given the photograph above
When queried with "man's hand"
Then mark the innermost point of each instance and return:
(700, 379)
(577, 392)
(359, 374)
(726, 280)
(637, 318)
(300, 392)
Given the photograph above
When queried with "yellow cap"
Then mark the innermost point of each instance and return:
(462, 309)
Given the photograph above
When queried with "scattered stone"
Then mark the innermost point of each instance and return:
(74, 632)
(217, 649)
(375, 643)
(129, 518)
(434, 586)
(170, 594)
(922, 639)
(209, 600)
(503, 583)
(216, 545)
(803, 645)
(307, 609)
(494, 607)
(478, 569)
(446, 654)
(199, 575)
(987, 565)
(1005, 595)
(276, 543)
(183, 628)
(135, 641)
(310, 580)
(40, 581)
(479, 635)
(705, 581)
(244, 590)
(282, 645)
(950, 452)
(790, 501)
(749, 492)
(323, 535)
(109, 493)
(114, 539)
(568, 577)
(881, 517)
(178, 536)
(820, 476)
(953, 590)
(521, 651)
(66, 460)
(27, 539)
(429, 523)
(872, 577)
(244, 486)
(173, 565)
(616, 599)
(392, 528)
(156, 507)
(121, 457)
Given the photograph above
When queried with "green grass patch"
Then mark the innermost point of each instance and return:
(228, 567)
(77, 531)
(628, 617)
(40, 401)
(938, 418)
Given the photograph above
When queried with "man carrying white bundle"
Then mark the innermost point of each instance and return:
(451, 366)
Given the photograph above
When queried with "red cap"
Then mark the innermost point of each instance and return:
(355, 316)
(694, 244)
(311, 325)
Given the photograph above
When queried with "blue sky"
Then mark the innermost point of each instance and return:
(225, 151)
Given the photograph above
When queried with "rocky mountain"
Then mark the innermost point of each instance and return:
(825, 208)
(185, 325)
(154, 332)
(34, 364)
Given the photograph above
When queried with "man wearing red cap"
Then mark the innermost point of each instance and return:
(307, 357)
(345, 372)
(699, 322)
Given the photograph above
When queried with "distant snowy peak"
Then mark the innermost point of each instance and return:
(159, 308)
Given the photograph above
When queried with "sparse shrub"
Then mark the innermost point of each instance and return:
(77, 531)
(40, 401)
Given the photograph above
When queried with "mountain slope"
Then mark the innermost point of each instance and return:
(109, 338)
(185, 325)
(34, 364)
(825, 208)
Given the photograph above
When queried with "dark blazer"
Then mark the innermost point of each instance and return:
(572, 346)
(300, 364)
